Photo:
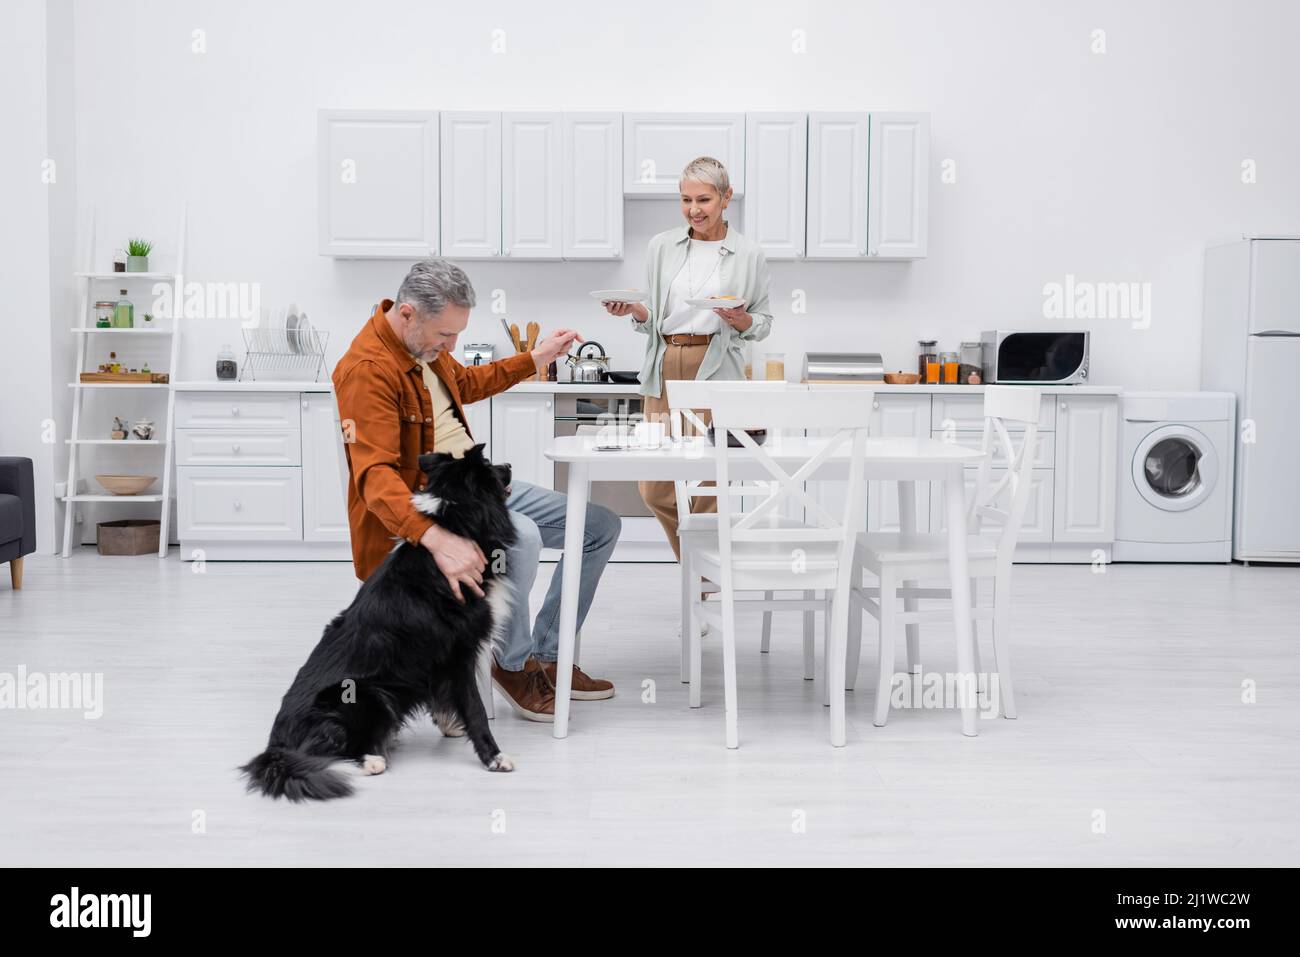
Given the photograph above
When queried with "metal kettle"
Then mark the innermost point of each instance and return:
(589, 368)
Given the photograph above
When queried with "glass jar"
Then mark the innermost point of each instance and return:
(927, 356)
(226, 367)
(119, 260)
(774, 367)
(971, 371)
(949, 361)
(123, 313)
(104, 314)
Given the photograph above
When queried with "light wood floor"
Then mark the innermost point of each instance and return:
(1129, 688)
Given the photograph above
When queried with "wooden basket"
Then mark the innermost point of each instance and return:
(132, 536)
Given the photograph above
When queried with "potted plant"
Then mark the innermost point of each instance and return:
(137, 255)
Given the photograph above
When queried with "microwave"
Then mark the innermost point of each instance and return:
(1035, 358)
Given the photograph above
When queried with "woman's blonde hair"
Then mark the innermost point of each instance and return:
(705, 169)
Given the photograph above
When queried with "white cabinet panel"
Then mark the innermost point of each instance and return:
(1036, 526)
(471, 185)
(898, 209)
(237, 410)
(1086, 453)
(837, 185)
(657, 146)
(478, 420)
(237, 447)
(229, 503)
(776, 171)
(324, 499)
(593, 185)
(1275, 286)
(377, 181)
(897, 416)
(523, 427)
(531, 185)
(965, 413)
(1043, 453)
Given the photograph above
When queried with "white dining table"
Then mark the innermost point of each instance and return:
(904, 460)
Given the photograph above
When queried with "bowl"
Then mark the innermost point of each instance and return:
(902, 378)
(125, 484)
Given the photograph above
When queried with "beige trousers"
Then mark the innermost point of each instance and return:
(680, 362)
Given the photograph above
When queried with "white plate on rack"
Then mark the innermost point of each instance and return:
(619, 295)
(291, 331)
(715, 303)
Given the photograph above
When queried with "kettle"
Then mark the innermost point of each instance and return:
(589, 368)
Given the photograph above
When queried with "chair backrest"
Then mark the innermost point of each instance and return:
(846, 411)
(687, 398)
(1006, 408)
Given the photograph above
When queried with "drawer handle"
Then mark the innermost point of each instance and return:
(238, 505)
(234, 448)
(875, 405)
(234, 410)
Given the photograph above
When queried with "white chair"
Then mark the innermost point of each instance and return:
(687, 398)
(901, 560)
(758, 550)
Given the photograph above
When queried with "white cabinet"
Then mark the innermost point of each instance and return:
(377, 182)
(1036, 526)
(224, 503)
(523, 426)
(592, 200)
(837, 185)
(470, 174)
(897, 416)
(1087, 439)
(531, 179)
(776, 171)
(657, 146)
(324, 498)
(478, 420)
(898, 207)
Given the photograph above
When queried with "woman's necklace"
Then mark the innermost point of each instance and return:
(691, 288)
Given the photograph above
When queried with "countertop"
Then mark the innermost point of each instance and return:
(879, 387)
(268, 385)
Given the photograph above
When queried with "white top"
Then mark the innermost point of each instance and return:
(698, 278)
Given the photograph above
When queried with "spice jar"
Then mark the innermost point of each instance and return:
(226, 368)
(927, 360)
(104, 314)
(971, 371)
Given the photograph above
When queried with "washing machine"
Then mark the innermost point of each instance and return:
(1174, 502)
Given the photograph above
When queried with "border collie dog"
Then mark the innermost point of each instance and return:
(405, 644)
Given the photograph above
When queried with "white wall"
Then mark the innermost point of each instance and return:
(1114, 167)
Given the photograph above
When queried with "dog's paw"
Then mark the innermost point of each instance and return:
(449, 725)
(373, 764)
(502, 762)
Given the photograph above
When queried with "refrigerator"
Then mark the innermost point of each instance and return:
(1251, 347)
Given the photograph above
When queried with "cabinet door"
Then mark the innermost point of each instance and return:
(898, 208)
(657, 146)
(377, 175)
(1086, 454)
(593, 186)
(837, 185)
(898, 416)
(1036, 526)
(471, 185)
(230, 503)
(523, 427)
(531, 185)
(478, 420)
(324, 471)
(776, 170)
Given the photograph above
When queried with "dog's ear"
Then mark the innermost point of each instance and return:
(476, 452)
(429, 461)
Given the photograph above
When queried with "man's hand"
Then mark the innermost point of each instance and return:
(546, 350)
(460, 560)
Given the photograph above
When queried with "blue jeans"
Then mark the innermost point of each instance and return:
(538, 514)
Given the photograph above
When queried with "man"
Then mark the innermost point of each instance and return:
(400, 391)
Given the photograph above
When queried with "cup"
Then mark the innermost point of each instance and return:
(648, 435)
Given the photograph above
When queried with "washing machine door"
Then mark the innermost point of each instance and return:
(1175, 468)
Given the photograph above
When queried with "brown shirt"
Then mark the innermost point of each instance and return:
(387, 415)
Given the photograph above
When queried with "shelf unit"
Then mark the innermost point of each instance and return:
(88, 280)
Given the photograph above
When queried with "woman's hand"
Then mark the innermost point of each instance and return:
(737, 318)
(636, 310)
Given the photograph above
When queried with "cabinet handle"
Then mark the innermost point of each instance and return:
(304, 405)
(875, 405)
(234, 410)
(234, 448)
(238, 505)
(548, 404)
(1062, 406)
(506, 251)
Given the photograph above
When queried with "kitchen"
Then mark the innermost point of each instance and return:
(942, 223)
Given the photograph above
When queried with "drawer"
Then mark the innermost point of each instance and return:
(1036, 526)
(967, 412)
(230, 503)
(238, 447)
(237, 410)
(1044, 451)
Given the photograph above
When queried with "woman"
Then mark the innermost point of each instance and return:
(705, 258)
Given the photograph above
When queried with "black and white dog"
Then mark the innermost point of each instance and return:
(403, 645)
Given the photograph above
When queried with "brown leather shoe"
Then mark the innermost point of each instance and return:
(530, 695)
(585, 687)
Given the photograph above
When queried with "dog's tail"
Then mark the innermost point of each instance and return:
(281, 772)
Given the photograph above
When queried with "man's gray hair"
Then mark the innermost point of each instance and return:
(705, 169)
(432, 284)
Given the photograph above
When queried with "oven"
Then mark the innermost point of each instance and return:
(578, 412)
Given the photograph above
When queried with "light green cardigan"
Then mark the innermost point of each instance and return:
(742, 272)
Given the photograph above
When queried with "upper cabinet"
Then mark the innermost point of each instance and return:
(898, 210)
(471, 185)
(776, 169)
(593, 185)
(657, 146)
(378, 183)
(837, 185)
(531, 156)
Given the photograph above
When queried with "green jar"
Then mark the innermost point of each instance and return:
(124, 313)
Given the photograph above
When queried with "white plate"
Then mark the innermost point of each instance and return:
(619, 295)
(715, 303)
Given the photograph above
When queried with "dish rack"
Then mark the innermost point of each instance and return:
(278, 349)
